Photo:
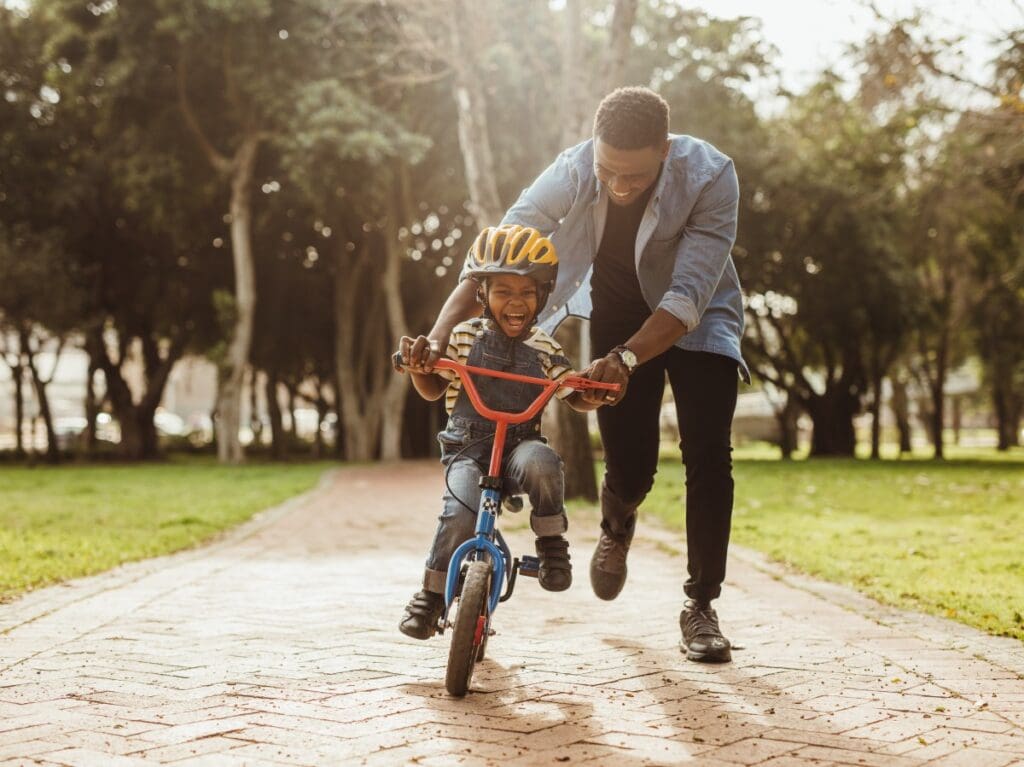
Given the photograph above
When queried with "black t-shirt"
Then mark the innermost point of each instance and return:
(614, 287)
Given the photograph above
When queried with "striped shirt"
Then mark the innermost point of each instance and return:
(553, 361)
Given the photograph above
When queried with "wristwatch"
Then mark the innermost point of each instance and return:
(627, 357)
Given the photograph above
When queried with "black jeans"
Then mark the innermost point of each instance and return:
(705, 387)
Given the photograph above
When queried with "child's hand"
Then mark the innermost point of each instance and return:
(419, 354)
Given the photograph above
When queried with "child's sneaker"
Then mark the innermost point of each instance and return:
(555, 571)
(422, 615)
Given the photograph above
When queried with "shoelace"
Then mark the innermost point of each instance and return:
(702, 622)
(613, 553)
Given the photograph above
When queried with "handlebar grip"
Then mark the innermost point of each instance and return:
(396, 360)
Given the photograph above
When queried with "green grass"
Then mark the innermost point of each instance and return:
(64, 522)
(945, 538)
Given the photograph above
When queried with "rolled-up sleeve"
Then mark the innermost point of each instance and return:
(703, 249)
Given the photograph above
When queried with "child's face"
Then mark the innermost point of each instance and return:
(512, 299)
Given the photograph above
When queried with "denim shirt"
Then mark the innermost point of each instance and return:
(496, 351)
(683, 246)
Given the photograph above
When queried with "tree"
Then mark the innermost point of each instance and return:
(133, 218)
(824, 220)
(364, 252)
(37, 298)
(38, 306)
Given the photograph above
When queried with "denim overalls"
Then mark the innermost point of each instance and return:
(530, 466)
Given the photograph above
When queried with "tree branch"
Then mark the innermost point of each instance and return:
(219, 162)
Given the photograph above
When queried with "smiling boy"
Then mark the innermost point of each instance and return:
(514, 269)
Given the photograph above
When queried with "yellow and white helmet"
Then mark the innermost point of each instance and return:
(514, 249)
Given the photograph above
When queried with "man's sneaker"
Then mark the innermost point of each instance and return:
(422, 615)
(608, 567)
(702, 639)
(555, 571)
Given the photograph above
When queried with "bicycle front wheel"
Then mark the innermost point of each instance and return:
(470, 628)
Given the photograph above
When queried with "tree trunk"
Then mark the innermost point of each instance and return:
(569, 431)
(293, 428)
(393, 405)
(787, 418)
(39, 385)
(832, 414)
(938, 417)
(255, 421)
(138, 434)
(92, 409)
(278, 446)
(232, 367)
(355, 373)
(138, 431)
(318, 438)
(1007, 407)
(339, 423)
(576, 85)
(17, 373)
(876, 418)
(957, 418)
(52, 448)
(620, 43)
(1013, 422)
(474, 137)
(900, 405)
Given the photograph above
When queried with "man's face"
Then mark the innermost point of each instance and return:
(627, 173)
(512, 299)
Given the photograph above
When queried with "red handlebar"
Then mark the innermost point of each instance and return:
(466, 373)
(500, 417)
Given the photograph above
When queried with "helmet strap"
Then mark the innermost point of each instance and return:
(481, 297)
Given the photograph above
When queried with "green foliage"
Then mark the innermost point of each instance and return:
(818, 251)
(61, 524)
(857, 210)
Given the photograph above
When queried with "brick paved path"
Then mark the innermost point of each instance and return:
(277, 645)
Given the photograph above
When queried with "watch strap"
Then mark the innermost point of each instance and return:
(618, 352)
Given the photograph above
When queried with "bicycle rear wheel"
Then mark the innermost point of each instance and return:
(470, 629)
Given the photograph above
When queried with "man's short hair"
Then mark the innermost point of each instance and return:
(632, 118)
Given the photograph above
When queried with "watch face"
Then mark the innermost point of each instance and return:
(628, 358)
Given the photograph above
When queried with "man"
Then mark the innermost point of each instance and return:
(644, 222)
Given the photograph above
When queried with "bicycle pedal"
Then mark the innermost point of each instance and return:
(529, 566)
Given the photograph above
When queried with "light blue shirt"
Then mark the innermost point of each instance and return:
(683, 245)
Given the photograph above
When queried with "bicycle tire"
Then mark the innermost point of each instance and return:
(467, 635)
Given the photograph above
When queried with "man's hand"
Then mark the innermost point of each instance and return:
(419, 354)
(608, 369)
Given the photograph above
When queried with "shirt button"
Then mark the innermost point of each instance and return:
(577, 283)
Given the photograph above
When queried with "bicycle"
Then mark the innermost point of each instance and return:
(481, 565)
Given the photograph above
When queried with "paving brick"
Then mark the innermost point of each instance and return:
(25, 748)
(84, 757)
(976, 757)
(827, 755)
(752, 750)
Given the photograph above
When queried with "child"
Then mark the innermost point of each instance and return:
(516, 268)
